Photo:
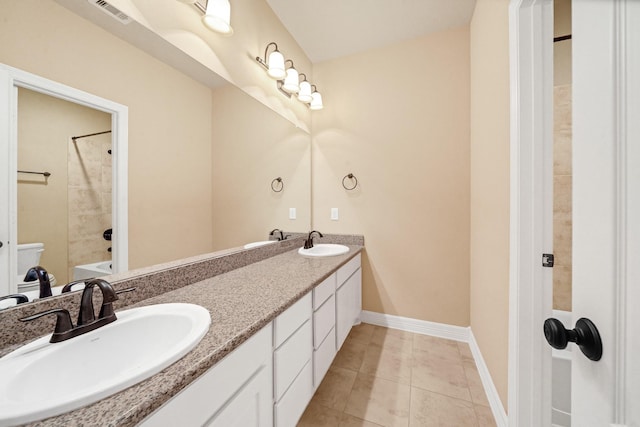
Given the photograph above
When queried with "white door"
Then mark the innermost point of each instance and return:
(606, 206)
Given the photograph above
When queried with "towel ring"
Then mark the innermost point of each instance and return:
(277, 185)
(350, 176)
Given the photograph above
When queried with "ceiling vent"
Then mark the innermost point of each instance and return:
(111, 10)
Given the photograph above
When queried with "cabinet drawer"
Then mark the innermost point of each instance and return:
(292, 405)
(290, 358)
(323, 321)
(322, 358)
(348, 269)
(323, 291)
(289, 321)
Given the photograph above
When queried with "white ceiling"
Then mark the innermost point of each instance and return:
(327, 29)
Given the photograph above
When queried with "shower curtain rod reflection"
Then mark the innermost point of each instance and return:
(91, 134)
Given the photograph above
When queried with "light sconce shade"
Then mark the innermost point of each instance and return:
(218, 16)
(275, 63)
(291, 84)
(304, 95)
(316, 100)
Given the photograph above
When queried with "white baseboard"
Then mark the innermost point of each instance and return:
(457, 333)
(440, 330)
(487, 382)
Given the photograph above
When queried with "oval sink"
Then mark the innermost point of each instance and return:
(324, 249)
(41, 379)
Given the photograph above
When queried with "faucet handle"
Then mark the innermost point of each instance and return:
(63, 323)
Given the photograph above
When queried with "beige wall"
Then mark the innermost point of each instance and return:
(398, 119)
(490, 186)
(252, 145)
(169, 121)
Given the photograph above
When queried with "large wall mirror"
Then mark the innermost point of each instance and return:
(197, 178)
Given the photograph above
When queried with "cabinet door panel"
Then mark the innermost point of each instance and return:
(348, 269)
(291, 319)
(251, 407)
(323, 321)
(292, 405)
(323, 291)
(291, 357)
(322, 358)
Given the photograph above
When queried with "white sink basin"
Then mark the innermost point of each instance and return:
(41, 379)
(324, 249)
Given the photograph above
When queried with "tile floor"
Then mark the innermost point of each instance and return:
(386, 377)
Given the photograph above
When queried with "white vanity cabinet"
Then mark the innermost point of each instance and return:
(270, 379)
(348, 299)
(237, 391)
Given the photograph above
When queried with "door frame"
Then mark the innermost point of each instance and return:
(530, 288)
(10, 80)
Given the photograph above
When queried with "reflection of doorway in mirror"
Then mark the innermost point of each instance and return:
(69, 210)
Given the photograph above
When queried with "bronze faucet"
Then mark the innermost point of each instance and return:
(308, 243)
(87, 321)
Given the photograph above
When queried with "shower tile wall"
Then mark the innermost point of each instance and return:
(89, 198)
(562, 212)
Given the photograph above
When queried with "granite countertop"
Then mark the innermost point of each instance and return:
(241, 302)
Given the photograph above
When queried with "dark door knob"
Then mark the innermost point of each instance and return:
(585, 334)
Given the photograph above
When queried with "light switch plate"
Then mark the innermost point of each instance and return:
(334, 214)
(292, 213)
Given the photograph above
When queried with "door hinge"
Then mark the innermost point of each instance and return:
(547, 260)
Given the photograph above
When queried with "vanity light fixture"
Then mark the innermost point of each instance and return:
(217, 15)
(304, 95)
(288, 79)
(316, 99)
(291, 81)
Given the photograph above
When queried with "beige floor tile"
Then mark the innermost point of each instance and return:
(393, 339)
(485, 416)
(465, 351)
(351, 421)
(335, 388)
(361, 333)
(379, 401)
(478, 395)
(350, 355)
(319, 416)
(439, 374)
(437, 346)
(387, 363)
(433, 409)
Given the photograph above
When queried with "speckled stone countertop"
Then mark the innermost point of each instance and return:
(241, 302)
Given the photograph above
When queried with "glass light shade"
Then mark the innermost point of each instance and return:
(276, 65)
(305, 92)
(316, 101)
(290, 84)
(218, 16)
